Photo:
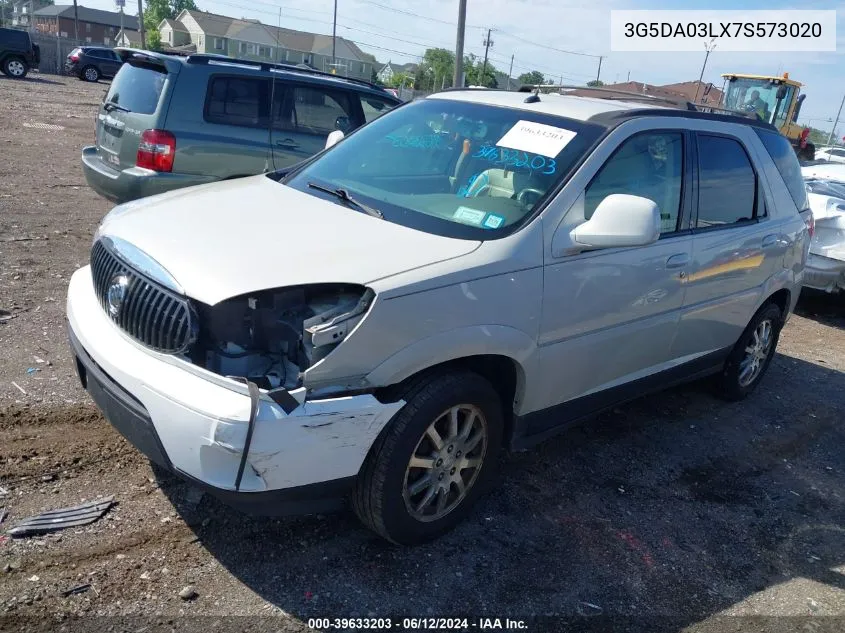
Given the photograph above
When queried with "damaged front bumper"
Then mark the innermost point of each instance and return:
(304, 459)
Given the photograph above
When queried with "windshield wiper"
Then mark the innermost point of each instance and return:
(343, 194)
(108, 106)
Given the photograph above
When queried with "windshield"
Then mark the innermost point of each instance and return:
(759, 96)
(457, 169)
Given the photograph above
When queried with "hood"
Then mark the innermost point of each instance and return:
(229, 238)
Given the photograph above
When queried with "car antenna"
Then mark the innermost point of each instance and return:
(535, 97)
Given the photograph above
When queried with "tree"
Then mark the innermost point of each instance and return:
(533, 78)
(401, 79)
(438, 64)
(158, 10)
(473, 68)
(595, 83)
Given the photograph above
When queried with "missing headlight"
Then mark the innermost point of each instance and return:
(272, 337)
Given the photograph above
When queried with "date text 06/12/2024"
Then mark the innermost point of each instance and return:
(416, 624)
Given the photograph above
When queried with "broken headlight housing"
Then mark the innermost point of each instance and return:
(272, 337)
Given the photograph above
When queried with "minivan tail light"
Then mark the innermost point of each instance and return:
(156, 150)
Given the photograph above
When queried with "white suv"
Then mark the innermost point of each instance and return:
(469, 273)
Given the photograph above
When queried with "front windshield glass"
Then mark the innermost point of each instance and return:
(759, 96)
(458, 169)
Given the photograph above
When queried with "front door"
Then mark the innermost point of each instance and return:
(303, 117)
(610, 315)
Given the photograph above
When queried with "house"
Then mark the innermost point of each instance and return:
(95, 26)
(387, 72)
(252, 39)
(22, 11)
(128, 39)
(707, 93)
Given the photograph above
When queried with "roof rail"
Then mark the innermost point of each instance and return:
(206, 58)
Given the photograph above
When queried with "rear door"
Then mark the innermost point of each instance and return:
(303, 117)
(737, 245)
(134, 102)
(109, 62)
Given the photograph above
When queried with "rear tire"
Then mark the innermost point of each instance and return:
(90, 73)
(417, 483)
(15, 67)
(750, 358)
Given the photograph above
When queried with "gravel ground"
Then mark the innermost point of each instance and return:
(676, 512)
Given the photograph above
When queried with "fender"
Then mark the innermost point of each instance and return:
(459, 343)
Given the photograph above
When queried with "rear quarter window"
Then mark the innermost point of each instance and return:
(780, 149)
(137, 88)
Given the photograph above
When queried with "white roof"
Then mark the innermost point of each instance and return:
(580, 108)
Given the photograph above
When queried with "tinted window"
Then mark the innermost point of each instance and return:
(648, 165)
(780, 149)
(313, 110)
(137, 88)
(238, 101)
(727, 183)
(374, 107)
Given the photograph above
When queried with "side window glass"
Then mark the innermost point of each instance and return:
(780, 150)
(374, 107)
(315, 111)
(727, 183)
(649, 165)
(237, 101)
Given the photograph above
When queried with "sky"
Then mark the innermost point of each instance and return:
(539, 32)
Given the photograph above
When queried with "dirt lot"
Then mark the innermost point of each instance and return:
(677, 512)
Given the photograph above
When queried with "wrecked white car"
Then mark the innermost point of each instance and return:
(470, 272)
(825, 268)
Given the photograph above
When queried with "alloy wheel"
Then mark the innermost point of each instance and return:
(446, 462)
(15, 68)
(756, 353)
(91, 74)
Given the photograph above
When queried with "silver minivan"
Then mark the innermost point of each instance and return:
(468, 273)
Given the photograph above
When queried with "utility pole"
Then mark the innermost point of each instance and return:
(510, 72)
(598, 74)
(629, 75)
(76, 21)
(835, 123)
(487, 44)
(709, 48)
(141, 24)
(459, 44)
(334, 37)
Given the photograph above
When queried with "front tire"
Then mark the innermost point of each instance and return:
(750, 358)
(435, 458)
(15, 67)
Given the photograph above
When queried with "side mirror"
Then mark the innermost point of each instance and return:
(620, 220)
(334, 138)
(342, 123)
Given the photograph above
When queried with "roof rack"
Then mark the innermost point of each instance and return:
(206, 58)
(625, 95)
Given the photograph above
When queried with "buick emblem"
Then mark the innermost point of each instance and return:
(117, 293)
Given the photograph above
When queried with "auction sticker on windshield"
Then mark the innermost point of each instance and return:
(469, 216)
(536, 138)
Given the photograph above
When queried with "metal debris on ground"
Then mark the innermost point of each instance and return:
(587, 609)
(76, 590)
(63, 518)
(2, 514)
(45, 126)
(21, 389)
(33, 370)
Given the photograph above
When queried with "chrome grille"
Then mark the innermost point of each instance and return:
(151, 314)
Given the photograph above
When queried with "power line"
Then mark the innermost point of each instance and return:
(551, 48)
(411, 13)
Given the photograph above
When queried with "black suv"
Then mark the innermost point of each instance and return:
(17, 53)
(89, 63)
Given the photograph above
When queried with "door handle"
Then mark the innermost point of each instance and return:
(771, 240)
(678, 261)
(287, 142)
